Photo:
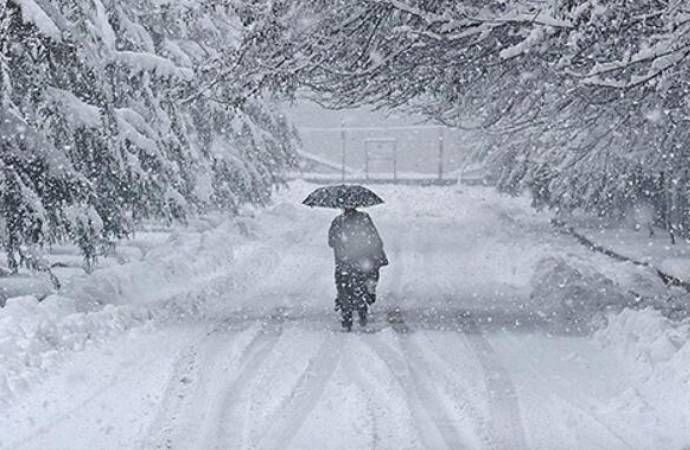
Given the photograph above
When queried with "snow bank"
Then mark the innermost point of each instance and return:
(175, 281)
(38, 285)
(655, 352)
(647, 340)
(34, 336)
(187, 260)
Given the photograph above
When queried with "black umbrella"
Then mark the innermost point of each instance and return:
(342, 196)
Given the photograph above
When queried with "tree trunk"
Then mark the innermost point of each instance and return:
(671, 197)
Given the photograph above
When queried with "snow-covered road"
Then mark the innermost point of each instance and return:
(457, 354)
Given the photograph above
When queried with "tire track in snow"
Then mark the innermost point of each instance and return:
(186, 385)
(368, 389)
(231, 433)
(481, 425)
(424, 402)
(507, 431)
(176, 391)
(576, 407)
(118, 379)
(399, 369)
(286, 422)
(419, 396)
(504, 408)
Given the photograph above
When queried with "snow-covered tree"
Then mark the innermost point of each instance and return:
(585, 101)
(105, 119)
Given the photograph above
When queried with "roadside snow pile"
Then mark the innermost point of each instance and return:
(177, 279)
(187, 260)
(14, 286)
(646, 339)
(34, 336)
(654, 351)
(573, 295)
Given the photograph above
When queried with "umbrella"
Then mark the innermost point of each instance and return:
(342, 196)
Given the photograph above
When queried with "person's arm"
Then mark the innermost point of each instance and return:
(374, 233)
(376, 241)
(379, 254)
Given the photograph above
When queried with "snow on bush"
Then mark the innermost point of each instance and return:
(572, 295)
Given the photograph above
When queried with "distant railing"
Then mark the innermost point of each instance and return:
(382, 152)
(418, 179)
(383, 147)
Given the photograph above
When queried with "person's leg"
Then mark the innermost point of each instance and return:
(363, 313)
(371, 283)
(360, 295)
(344, 301)
(341, 280)
(347, 318)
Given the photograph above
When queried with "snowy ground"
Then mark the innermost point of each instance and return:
(487, 334)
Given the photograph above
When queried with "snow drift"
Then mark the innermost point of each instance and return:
(173, 282)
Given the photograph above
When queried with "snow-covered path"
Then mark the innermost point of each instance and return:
(455, 356)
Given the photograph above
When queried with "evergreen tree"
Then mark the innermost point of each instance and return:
(100, 124)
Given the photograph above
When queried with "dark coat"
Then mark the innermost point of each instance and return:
(356, 242)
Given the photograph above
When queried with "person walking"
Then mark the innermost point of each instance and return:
(359, 255)
(357, 247)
